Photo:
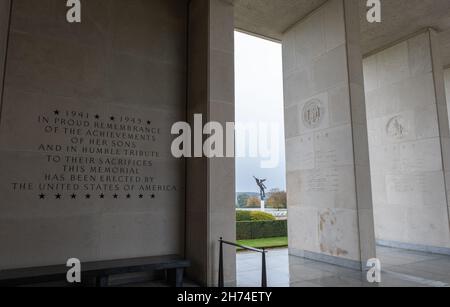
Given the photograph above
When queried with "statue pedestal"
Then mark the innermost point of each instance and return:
(263, 206)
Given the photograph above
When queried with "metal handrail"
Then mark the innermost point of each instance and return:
(244, 247)
(261, 251)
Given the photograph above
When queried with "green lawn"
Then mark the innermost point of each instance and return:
(266, 243)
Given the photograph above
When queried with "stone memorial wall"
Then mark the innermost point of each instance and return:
(86, 168)
(406, 145)
(325, 138)
(447, 86)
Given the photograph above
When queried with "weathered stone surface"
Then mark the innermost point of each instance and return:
(406, 143)
(326, 137)
(211, 182)
(101, 96)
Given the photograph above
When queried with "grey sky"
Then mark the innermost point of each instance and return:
(259, 97)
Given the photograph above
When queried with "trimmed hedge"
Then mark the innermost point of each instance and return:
(251, 216)
(261, 230)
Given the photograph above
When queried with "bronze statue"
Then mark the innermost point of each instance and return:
(262, 187)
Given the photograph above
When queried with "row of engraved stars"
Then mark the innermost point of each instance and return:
(101, 196)
(112, 118)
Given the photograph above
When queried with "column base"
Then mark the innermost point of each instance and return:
(346, 263)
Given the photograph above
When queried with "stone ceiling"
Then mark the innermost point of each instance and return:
(271, 18)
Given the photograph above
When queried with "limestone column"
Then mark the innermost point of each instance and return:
(443, 115)
(447, 86)
(409, 144)
(4, 29)
(211, 182)
(329, 185)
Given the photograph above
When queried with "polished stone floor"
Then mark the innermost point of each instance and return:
(401, 268)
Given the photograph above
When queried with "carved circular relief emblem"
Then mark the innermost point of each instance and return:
(313, 113)
(397, 127)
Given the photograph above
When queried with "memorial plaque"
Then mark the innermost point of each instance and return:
(300, 153)
(92, 155)
(323, 180)
(85, 133)
(313, 113)
(397, 127)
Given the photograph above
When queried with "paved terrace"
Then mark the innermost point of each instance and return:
(400, 269)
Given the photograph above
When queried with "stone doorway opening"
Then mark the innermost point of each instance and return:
(261, 202)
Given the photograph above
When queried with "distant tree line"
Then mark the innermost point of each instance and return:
(276, 200)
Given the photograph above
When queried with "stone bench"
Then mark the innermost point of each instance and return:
(100, 270)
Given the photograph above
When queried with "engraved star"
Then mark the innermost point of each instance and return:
(58, 196)
(88, 196)
(102, 196)
(153, 196)
(116, 196)
(56, 112)
(97, 116)
(42, 196)
(128, 196)
(112, 118)
(149, 122)
(141, 196)
(73, 196)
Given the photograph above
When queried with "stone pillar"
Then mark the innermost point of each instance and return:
(447, 83)
(329, 188)
(4, 29)
(447, 94)
(447, 87)
(443, 118)
(409, 144)
(211, 182)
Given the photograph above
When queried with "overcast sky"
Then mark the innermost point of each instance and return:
(259, 98)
